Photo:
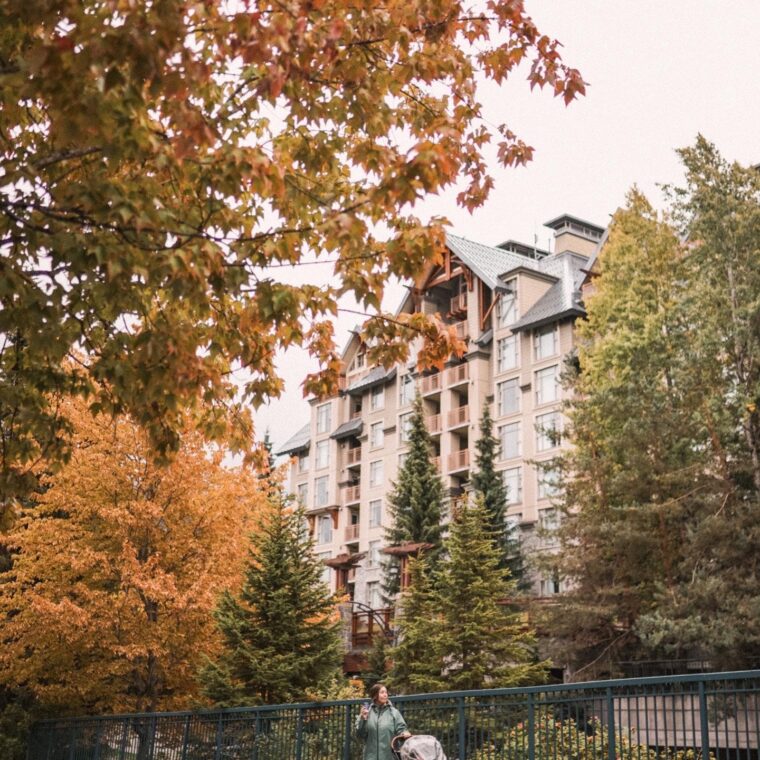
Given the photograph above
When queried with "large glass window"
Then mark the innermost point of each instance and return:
(547, 385)
(376, 435)
(548, 481)
(303, 461)
(323, 418)
(375, 513)
(324, 529)
(374, 595)
(321, 455)
(322, 556)
(507, 353)
(508, 395)
(507, 309)
(377, 398)
(545, 342)
(509, 438)
(376, 473)
(405, 427)
(547, 431)
(512, 478)
(302, 493)
(320, 491)
(406, 390)
(373, 555)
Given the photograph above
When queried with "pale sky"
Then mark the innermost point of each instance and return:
(659, 72)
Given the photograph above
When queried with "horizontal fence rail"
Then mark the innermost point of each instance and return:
(691, 717)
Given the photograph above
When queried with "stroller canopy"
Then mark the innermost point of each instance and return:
(421, 747)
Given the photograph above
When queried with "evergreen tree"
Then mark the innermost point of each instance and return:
(416, 501)
(377, 662)
(488, 483)
(417, 664)
(481, 640)
(280, 635)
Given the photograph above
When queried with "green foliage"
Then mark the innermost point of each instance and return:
(489, 485)
(280, 634)
(416, 501)
(16, 717)
(377, 663)
(161, 161)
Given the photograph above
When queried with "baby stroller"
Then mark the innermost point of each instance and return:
(417, 747)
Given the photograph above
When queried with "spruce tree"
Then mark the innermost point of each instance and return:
(416, 501)
(281, 639)
(377, 662)
(488, 484)
(481, 640)
(417, 664)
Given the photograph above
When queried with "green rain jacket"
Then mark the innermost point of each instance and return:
(382, 724)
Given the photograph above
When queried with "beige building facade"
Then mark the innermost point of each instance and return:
(515, 307)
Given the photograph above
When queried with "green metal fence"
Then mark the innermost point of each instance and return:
(690, 717)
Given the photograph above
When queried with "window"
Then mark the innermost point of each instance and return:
(377, 398)
(303, 461)
(375, 513)
(373, 556)
(513, 525)
(551, 585)
(376, 435)
(376, 473)
(358, 362)
(402, 459)
(302, 493)
(321, 455)
(547, 519)
(547, 431)
(320, 491)
(512, 479)
(324, 529)
(507, 353)
(548, 481)
(322, 556)
(509, 438)
(323, 418)
(507, 309)
(374, 596)
(406, 390)
(547, 387)
(545, 342)
(508, 394)
(405, 427)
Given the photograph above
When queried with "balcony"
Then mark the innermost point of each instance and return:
(352, 494)
(458, 375)
(352, 534)
(458, 303)
(459, 460)
(365, 626)
(353, 456)
(436, 461)
(459, 417)
(462, 329)
(434, 424)
(431, 384)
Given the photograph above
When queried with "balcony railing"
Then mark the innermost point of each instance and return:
(352, 494)
(365, 626)
(459, 416)
(458, 374)
(434, 424)
(459, 460)
(431, 383)
(352, 533)
(458, 303)
(353, 456)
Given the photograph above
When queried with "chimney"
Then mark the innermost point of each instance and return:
(576, 235)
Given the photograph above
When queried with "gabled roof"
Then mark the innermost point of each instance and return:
(563, 299)
(486, 261)
(298, 442)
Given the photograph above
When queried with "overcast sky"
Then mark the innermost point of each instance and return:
(658, 71)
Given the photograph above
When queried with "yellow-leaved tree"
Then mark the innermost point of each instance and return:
(116, 568)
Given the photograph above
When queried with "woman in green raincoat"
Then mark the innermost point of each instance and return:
(378, 723)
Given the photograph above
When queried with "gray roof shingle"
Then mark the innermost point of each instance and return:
(298, 442)
(375, 376)
(347, 429)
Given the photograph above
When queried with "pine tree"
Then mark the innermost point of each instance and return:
(488, 483)
(417, 666)
(281, 638)
(416, 501)
(481, 640)
(377, 662)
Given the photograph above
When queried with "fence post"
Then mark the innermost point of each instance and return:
(98, 735)
(703, 721)
(256, 735)
(185, 738)
(347, 737)
(219, 731)
(123, 748)
(299, 734)
(531, 728)
(462, 729)
(611, 725)
(152, 736)
(73, 739)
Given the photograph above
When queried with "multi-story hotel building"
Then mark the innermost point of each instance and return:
(514, 305)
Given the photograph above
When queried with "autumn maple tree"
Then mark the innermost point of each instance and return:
(116, 569)
(163, 162)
